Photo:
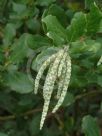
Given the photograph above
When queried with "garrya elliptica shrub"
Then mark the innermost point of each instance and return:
(51, 48)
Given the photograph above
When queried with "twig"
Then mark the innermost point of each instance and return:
(89, 94)
(9, 117)
(28, 113)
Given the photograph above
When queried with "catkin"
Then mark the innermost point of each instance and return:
(100, 61)
(62, 76)
(41, 70)
(65, 84)
(62, 62)
(52, 74)
(49, 85)
(44, 113)
(60, 67)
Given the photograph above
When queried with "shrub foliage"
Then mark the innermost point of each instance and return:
(31, 31)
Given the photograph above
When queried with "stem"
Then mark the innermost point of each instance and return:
(28, 113)
(9, 117)
(89, 94)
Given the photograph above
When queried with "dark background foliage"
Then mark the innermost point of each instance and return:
(23, 28)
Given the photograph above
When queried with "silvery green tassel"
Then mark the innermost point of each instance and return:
(41, 70)
(62, 76)
(49, 85)
(44, 113)
(100, 61)
(65, 84)
(62, 62)
(52, 73)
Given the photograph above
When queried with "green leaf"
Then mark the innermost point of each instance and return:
(88, 3)
(36, 64)
(53, 130)
(33, 25)
(77, 27)
(34, 125)
(44, 2)
(7, 105)
(57, 11)
(37, 41)
(100, 28)
(1, 55)
(23, 1)
(20, 49)
(90, 126)
(85, 46)
(19, 8)
(9, 33)
(3, 5)
(22, 12)
(91, 45)
(3, 134)
(19, 82)
(56, 38)
(69, 99)
(55, 29)
(99, 80)
(93, 19)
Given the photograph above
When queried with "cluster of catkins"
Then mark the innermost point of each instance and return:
(59, 65)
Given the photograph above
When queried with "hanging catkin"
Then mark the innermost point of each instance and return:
(62, 62)
(49, 85)
(59, 68)
(41, 70)
(61, 74)
(45, 110)
(65, 84)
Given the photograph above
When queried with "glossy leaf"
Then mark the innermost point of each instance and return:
(34, 125)
(38, 41)
(69, 99)
(55, 29)
(77, 27)
(3, 134)
(9, 33)
(44, 2)
(93, 19)
(90, 126)
(36, 64)
(20, 49)
(57, 11)
(20, 83)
